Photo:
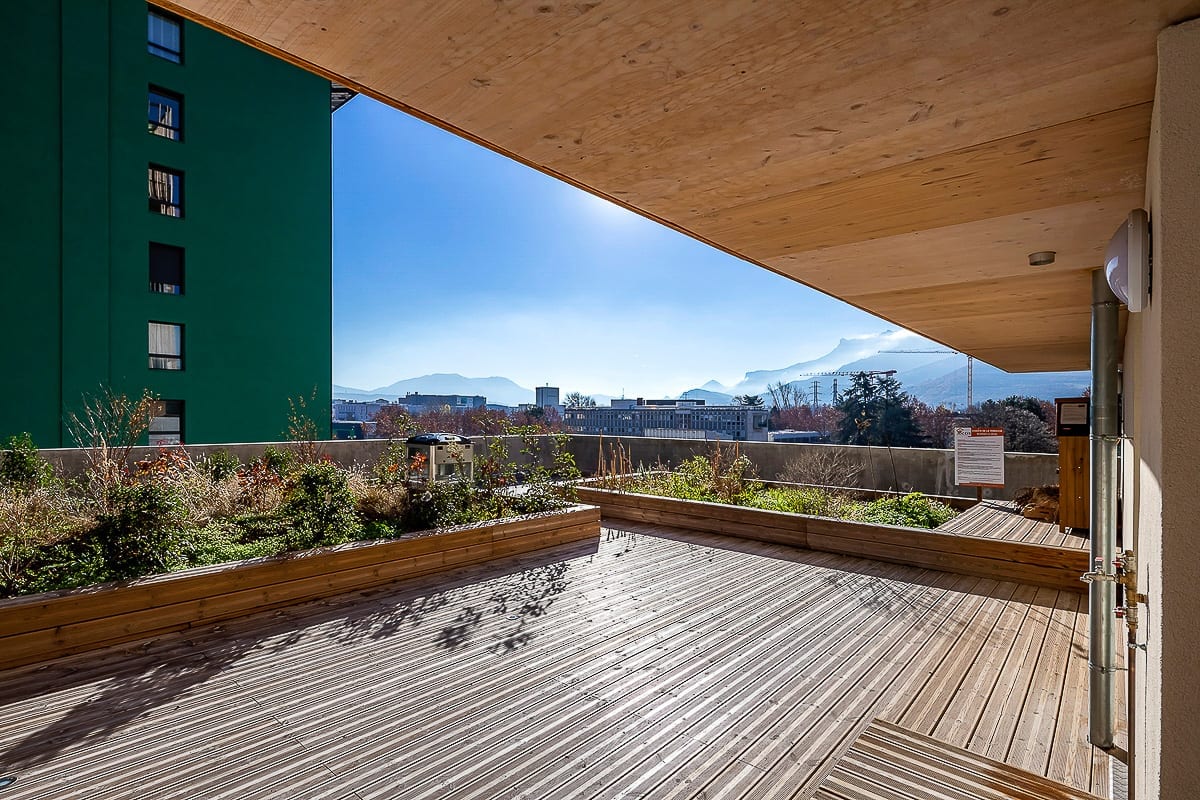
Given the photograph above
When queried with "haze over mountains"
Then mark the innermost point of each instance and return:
(935, 376)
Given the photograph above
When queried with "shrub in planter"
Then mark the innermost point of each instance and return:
(21, 467)
(142, 533)
(221, 464)
(914, 510)
(33, 523)
(800, 500)
(249, 536)
(319, 507)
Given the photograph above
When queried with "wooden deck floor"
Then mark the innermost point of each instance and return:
(995, 519)
(664, 664)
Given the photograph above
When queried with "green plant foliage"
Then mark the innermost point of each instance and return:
(913, 510)
(392, 466)
(220, 543)
(176, 512)
(64, 564)
(282, 462)
(220, 464)
(717, 478)
(143, 533)
(806, 500)
(21, 467)
(319, 507)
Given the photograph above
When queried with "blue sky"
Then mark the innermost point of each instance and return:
(451, 258)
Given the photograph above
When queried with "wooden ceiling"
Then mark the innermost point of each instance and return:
(903, 155)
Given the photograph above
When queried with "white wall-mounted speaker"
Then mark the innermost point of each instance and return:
(1127, 261)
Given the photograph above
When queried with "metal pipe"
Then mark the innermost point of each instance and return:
(1105, 437)
(1131, 694)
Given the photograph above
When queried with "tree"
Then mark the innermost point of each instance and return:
(1025, 431)
(785, 395)
(393, 422)
(748, 400)
(878, 412)
(578, 400)
(936, 424)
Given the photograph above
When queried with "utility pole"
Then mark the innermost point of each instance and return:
(816, 394)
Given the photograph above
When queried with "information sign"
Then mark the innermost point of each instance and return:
(979, 457)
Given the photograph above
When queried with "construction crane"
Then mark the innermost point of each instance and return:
(970, 370)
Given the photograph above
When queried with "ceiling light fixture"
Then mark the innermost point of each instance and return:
(1041, 258)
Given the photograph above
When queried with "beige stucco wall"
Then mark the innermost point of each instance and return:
(1162, 469)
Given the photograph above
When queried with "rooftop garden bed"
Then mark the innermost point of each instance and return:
(726, 476)
(120, 521)
(717, 494)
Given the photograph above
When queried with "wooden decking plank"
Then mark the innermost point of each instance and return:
(952, 686)
(994, 735)
(1030, 747)
(939, 667)
(567, 738)
(751, 762)
(887, 760)
(580, 658)
(1001, 521)
(723, 644)
(535, 788)
(859, 702)
(775, 741)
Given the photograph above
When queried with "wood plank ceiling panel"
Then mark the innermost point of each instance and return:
(827, 141)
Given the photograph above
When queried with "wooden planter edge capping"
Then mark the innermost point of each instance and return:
(39, 627)
(1041, 565)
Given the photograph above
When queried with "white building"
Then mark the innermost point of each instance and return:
(676, 419)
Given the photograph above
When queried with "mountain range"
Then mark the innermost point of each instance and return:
(496, 389)
(928, 371)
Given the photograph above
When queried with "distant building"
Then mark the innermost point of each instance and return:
(357, 410)
(546, 396)
(671, 419)
(416, 402)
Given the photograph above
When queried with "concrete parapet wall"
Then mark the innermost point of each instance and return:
(898, 468)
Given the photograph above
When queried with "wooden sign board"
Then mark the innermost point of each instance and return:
(979, 457)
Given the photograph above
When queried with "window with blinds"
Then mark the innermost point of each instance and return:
(166, 427)
(166, 346)
(164, 36)
(165, 114)
(166, 191)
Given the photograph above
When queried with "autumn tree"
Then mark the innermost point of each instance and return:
(936, 424)
(394, 422)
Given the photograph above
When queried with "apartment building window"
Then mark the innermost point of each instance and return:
(164, 36)
(166, 346)
(166, 268)
(165, 114)
(166, 426)
(166, 191)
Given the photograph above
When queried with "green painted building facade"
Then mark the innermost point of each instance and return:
(158, 172)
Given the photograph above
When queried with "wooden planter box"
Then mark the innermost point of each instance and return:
(1041, 565)
(38, 627)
